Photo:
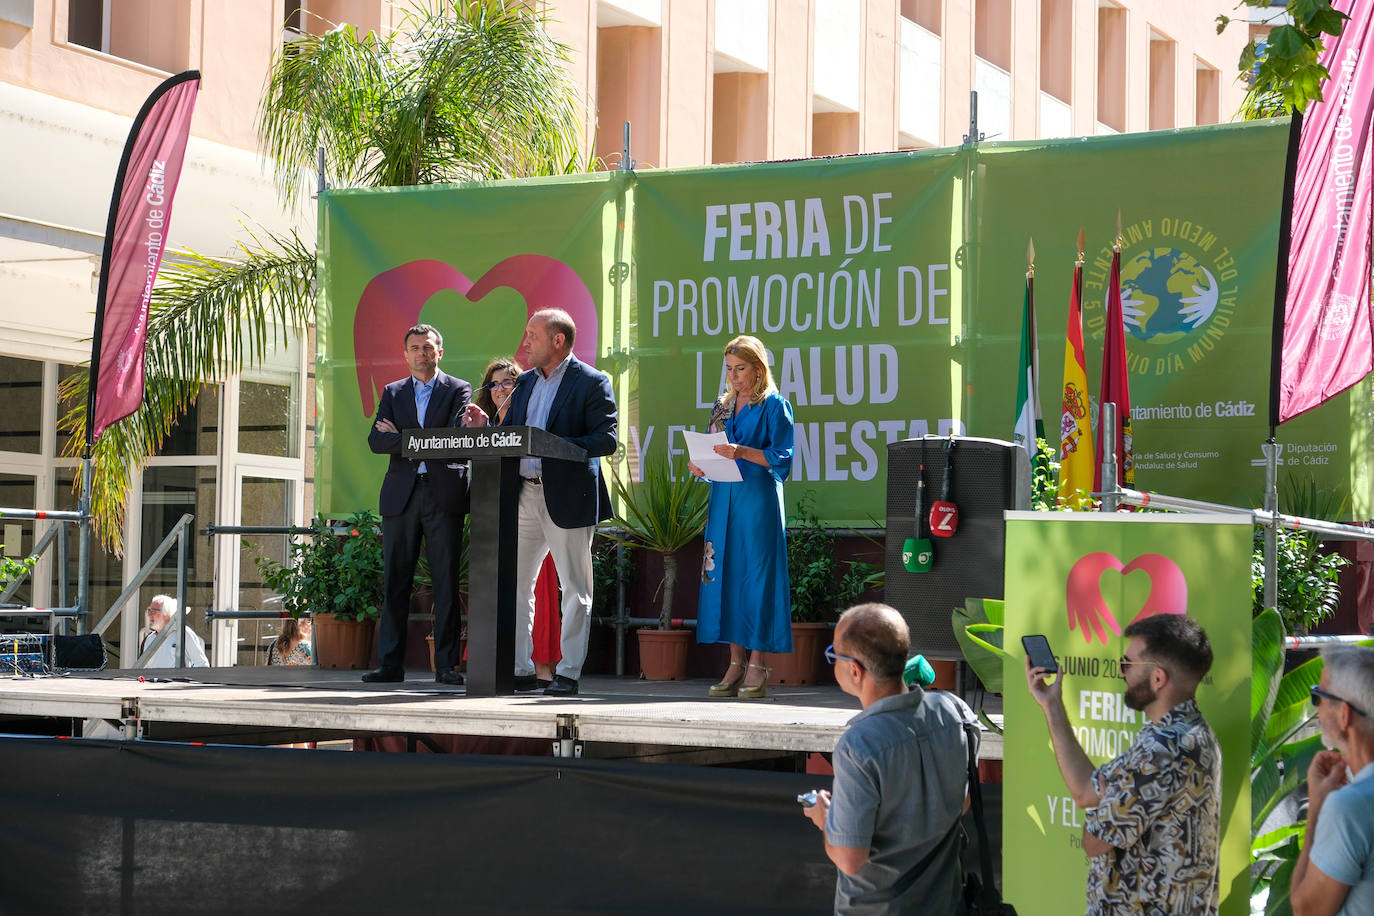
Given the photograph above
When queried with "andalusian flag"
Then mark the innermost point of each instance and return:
(1030, 424)
(1075, 421)
(1116, 387)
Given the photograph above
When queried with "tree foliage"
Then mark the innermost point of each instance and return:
(475, 89)
(1285, 70)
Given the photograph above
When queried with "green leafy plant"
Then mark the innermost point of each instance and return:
(611, 568)
(331, 574)
(12, 570)
(1285, 70)
(1307, 578)
(810, 562)
(662, 513)
(979, 628)
(1045, 477)
(1279, 709)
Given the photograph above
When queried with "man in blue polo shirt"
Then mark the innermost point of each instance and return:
(1335, 872)
(901, 777)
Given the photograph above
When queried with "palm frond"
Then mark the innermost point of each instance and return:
(207, 318)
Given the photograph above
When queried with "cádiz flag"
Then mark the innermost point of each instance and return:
(1075, 422)
(1116, 387)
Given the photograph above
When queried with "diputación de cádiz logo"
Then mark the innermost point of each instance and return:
(1178, 292)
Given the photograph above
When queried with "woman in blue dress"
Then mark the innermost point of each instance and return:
(745, 593)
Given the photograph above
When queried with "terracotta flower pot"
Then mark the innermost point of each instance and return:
(663, 654)
(343, 643)
(802, 664)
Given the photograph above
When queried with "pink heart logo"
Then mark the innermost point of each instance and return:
(392, 300)
(1083, 592)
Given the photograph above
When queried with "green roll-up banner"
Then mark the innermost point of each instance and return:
(1153, 563)
(887, 289)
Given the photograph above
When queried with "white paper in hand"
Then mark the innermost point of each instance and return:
(716, 467)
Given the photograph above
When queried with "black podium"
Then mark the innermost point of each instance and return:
(495, 453)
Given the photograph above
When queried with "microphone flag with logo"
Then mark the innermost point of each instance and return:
(918, 555)
(944, 514)
(1115, 384)
(1075, 419)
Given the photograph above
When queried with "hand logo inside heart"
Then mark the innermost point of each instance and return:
(1083, 591)
(392, 300)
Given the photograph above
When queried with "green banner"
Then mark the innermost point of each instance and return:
(1208, 559)
(471, 260)
(887, 288)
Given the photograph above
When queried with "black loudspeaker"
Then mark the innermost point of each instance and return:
(988, 477)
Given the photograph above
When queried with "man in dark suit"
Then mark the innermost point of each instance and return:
(420, 498)
(560, 501)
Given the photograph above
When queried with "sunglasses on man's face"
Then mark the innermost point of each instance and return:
(832, 656)
(1319, 694)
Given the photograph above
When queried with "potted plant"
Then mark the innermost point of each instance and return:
(337, 580)
(812, 568)
(663, 513)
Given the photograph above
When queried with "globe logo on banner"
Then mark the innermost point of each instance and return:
(1178, 294)
(1166, 295)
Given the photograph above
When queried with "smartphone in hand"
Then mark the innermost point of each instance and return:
(1038, 650)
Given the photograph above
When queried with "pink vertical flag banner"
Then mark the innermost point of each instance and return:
(135, 238)
(1116, 386)
(1326, 318)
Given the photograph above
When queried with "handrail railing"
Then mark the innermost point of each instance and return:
(176, 536)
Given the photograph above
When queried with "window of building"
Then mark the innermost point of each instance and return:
(1056, 49)
(1111, 67)
(1162, 65)
(106, 569)
(1207, 91)
(739, 117)
(196, 432)
(268, 421)
(629, 87)
(154, 33)
(18, 491)
(315, 17)
(992, 32)
(21, 391)
(169, 491)
(925, 13)
(834, 133)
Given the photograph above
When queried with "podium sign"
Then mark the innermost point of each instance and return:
(495, 453)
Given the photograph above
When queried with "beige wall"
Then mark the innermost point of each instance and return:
(1013, 35)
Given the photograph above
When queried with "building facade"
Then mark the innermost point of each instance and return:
(700, 81)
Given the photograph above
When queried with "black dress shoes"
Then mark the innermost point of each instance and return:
(384, 676)
(561, 687)
(525, 682)
(448, 676)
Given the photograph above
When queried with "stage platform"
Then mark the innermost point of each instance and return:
(611, 717)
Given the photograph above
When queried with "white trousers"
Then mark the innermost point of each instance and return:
(572, 554)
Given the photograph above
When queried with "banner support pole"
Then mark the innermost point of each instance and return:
(1271, 532)
(1110, 495)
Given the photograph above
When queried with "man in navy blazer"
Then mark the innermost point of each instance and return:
(560, 501)
(420, 498)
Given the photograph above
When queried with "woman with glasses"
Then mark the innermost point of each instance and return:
(498, 383)
(746, 597)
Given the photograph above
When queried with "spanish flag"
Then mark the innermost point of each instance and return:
(1075, 422)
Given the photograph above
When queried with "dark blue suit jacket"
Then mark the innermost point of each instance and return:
(584, 413)
(446, 402)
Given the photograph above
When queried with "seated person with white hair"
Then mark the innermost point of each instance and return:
(162, 610)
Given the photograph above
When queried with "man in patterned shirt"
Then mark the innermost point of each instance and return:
(1151, 816)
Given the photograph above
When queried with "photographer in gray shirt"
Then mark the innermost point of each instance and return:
(901, 777)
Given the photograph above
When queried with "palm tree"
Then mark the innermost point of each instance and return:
(475, 90)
